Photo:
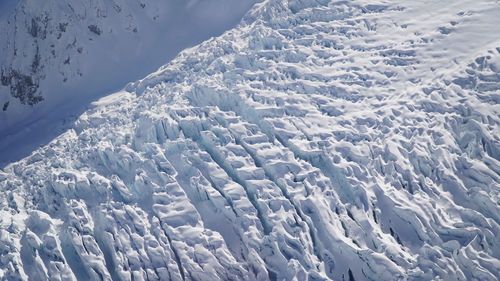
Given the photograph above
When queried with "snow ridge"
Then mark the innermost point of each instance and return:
(300, 145)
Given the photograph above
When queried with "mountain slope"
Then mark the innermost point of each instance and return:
(54, 53)
(317, 140)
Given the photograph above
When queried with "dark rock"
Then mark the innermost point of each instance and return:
(22, 86)
(95, 29)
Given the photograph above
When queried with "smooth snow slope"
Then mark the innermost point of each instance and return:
(6, 7)
(317, 140)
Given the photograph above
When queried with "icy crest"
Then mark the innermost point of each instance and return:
(300, 145)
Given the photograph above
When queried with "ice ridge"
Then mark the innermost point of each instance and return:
(300, 145)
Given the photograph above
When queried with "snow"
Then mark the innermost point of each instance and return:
(316, 140)
(56, 58)
(6, 7)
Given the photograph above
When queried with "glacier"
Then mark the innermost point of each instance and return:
(56, 56)
(316, 140)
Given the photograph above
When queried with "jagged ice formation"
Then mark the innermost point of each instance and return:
(317, 140)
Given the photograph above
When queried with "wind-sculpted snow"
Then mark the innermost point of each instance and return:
(308, 143)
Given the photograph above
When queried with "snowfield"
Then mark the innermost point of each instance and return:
(317, 140)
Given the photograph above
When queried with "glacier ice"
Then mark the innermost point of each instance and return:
(317, 140)
(56, 56)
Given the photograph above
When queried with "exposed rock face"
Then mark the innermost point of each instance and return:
(52, 51)
(22, 87)
(41, 38)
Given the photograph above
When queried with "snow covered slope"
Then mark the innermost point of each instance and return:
(317, 140)
(53, 53)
